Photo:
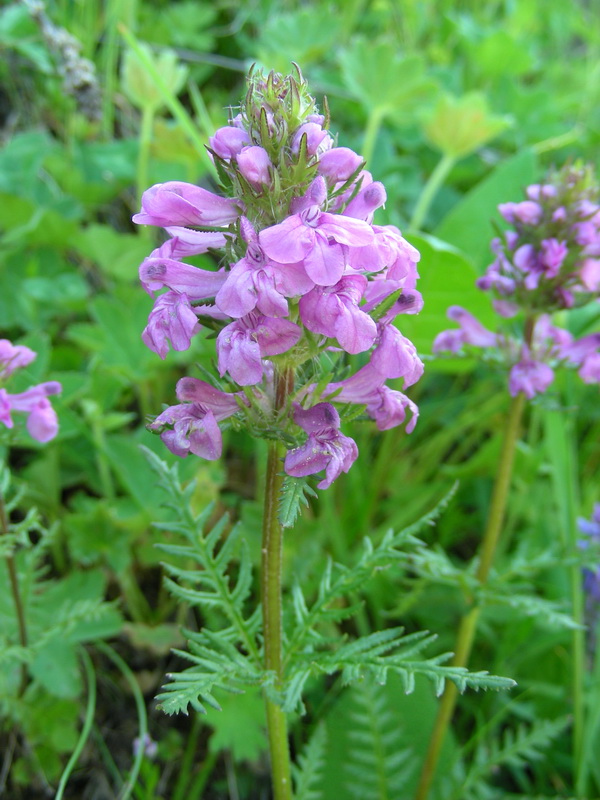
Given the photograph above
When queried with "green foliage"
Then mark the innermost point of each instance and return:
(514, 748)
(310, 764)
(294, 494)
(377, 766)
(86, 559)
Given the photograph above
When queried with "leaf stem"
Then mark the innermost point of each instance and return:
(371, 132)
(16, 593)
(468, 624)
(272, 546)
(431, 188)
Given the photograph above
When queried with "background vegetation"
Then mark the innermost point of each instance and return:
(484, 97)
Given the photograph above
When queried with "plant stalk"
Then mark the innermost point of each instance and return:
(468, 624)
(431, 188)
(272, 547)
(16, 593)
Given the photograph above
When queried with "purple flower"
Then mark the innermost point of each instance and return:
(172, 318)
(255, 165)
(386, 406)
(242, 345)
(527, 212)
(553, 253)
(584, 353)
(187, 242)
(306, 236)
(339, 164)
(158, 271)
(530, 377)
(471, 332)
(396, 357)
(42, 422)
(326, 448)
(334, 311)
(590, 274)
(13, 357)
(366, 202)
(191, 427)
(591, 575)
(179, 203)
(228, 141)
(258, 282)
(317, 140)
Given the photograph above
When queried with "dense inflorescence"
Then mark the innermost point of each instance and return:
(304, 278)
(42, 423)
(548, 261)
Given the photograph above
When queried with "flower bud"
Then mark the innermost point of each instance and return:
(255, 166)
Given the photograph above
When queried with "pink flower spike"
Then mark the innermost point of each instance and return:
(179, 203)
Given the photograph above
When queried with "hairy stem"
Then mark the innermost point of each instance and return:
(15, 591)
(468, 625)
(431, 188)
(272, 545)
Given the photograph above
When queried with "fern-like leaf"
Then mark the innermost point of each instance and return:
(307, 773)
(294, 494)
(377, 766)
(516, 748)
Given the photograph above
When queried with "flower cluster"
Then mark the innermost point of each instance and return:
(548, 261)
(42, 422)
(304, 276)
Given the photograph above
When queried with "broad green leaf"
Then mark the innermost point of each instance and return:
(460, 125)
(238, 726)
(383, 80)
(447, 278)
(118, 254)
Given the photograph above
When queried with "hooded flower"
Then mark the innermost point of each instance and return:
(179, 203)
(326, 448)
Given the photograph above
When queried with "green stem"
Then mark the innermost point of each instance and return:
(16, 593)
(371, 133)
(140, 705)
(562, 451)
(87, 724)
(468, 624)
(144, 152)
(272, 546)
(431, 188)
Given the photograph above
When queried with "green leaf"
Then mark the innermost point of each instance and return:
(383, 80)
(447, 278)
(294, 493)
(118, 254)
(460, 125)
(239, 726)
